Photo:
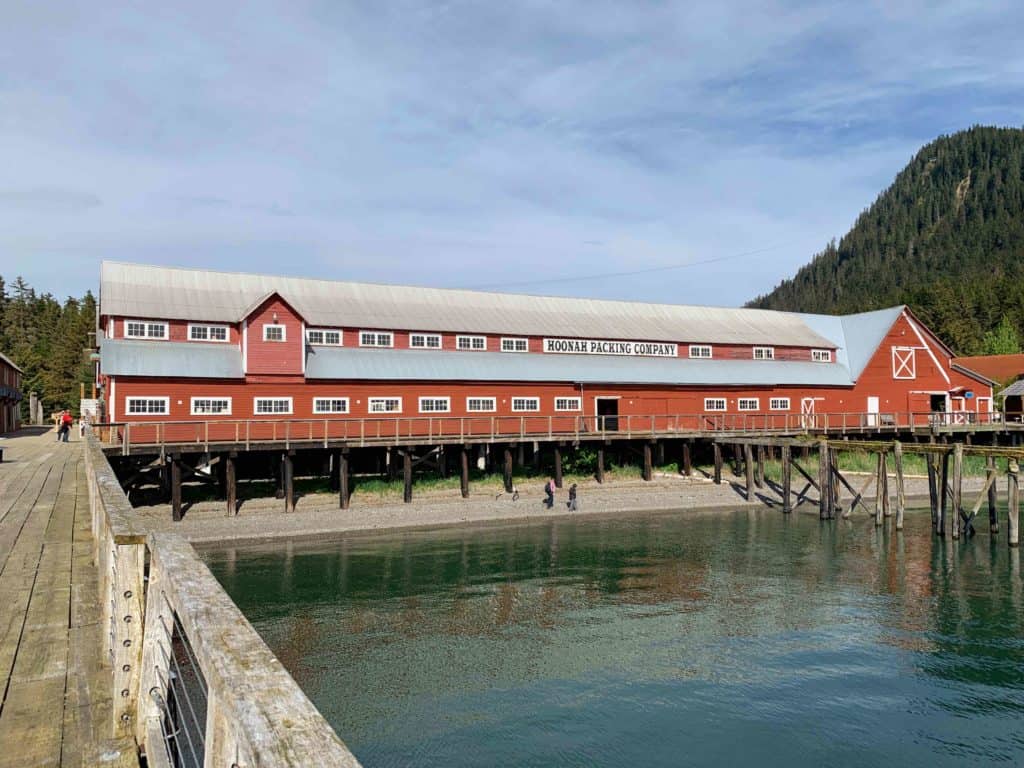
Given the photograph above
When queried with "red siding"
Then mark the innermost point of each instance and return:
(177, 330)
(281, 357)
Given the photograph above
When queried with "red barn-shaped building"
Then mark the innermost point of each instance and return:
(200, 346)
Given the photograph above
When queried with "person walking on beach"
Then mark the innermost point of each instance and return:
(572, 504)
(549, 493)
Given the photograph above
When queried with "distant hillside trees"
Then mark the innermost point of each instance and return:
(47, 340)
(947, 238)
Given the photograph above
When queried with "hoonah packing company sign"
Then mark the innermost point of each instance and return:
(604, 347)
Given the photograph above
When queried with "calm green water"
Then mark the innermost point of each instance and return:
(654, 641)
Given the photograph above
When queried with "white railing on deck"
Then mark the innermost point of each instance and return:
(256, 714)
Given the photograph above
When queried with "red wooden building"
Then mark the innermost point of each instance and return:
(10, 395)
(208, 347)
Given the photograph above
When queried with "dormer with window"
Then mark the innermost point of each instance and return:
(273, 338)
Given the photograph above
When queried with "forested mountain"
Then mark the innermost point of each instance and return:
(47, 340)
(947, 238)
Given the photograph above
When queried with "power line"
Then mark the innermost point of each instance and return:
(630, 273)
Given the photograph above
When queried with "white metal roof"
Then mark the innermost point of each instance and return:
(132, 290)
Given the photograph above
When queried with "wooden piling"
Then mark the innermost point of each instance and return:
(558, 466)
(824, 484)
(231, 483)
(957, 489)
(901, 496)
(464, 471)
(993, 492)
(718, 463)
(886, 499)
(407, 476)
(647, 471)
(933, 483)
(508, 469)
(599, 474)
(343, 480)
(1012, 503)
(687, 458)
(834, 469)
(659, 453)
(288, 481)
(943, 494)
(176, 486)
(748, 469)
(879, 484)
(759, 473)
(787, 481)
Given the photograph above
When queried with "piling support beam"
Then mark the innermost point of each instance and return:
(990, 471)
(688, 458)
(879, 486)
(344, 494)
(824, 481)
(176, 486)
(943, 494)
(464, 471)
(718, 463)
(787, 481)
(558, 466)
(231, 483)
(933, 483)
(599, 474)
(901, 496)
(958, 477)
(1012, 503)
(288, 479)
(647, 471)
(507, 469)
(759, 473)
(886, 499)
(748, 469)
(407, 476)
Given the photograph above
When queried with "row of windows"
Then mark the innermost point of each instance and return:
(139, 329)
(746, 404)
(221, 406)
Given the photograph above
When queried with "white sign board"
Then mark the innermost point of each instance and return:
(604, 347)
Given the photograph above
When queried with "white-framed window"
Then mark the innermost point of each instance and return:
(700, 350)
(384, 404)
(207, 332)
(215, 406)
(274, 332)
(435, 405)
(515, 345)
(376, 339)
(525, 403)
(271, 405)
(330, 405)
(568, 404)
(904, 363)
(748, 404)
(425, 340)
(779, 403)
(481, 404)
(324, 337)
(471, 343)
(714, 404)
(145, 329)
(147, 406)
(821, 355)
(764, 353)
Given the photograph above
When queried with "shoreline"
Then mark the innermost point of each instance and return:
(317, 516)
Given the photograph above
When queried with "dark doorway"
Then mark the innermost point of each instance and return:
(608, 414)
(938, 404)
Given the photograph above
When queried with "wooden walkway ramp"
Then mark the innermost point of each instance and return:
(55, 696)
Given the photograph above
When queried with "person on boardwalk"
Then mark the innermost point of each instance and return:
(549, 493)
(572, 504)
(66, 420)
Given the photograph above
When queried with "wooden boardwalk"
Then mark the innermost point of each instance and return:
(55, 690)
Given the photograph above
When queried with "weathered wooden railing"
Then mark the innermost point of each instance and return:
(399, 430)
(253, 713)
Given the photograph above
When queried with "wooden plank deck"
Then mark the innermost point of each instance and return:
(55, 697)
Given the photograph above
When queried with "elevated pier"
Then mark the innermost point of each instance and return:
(56, 702)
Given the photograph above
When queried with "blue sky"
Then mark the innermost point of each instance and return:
(527, 145)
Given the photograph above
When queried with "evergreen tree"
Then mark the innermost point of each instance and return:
(1003, 340)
